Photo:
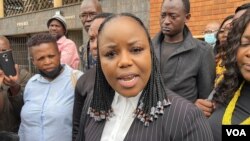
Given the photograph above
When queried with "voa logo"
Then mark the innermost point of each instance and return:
(236, 132)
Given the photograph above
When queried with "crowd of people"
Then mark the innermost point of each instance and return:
(171, 87)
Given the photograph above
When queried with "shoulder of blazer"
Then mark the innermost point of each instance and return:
(87, 81)
(180, 105)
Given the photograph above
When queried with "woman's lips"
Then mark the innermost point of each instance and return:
(128, 81)
(246, 67)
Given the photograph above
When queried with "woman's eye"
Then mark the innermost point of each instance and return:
(137, 49)
(110, 54)
(245, 44)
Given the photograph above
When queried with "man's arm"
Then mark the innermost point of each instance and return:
(206, 74)
(1, 92)
(69, 55)
(16, 87)
(205, 81)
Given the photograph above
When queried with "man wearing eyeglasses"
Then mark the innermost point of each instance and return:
(187, 65)
(89, 9)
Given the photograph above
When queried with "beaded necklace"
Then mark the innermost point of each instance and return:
(227, 117)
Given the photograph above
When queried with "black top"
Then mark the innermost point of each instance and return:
(181, 121)
(84, 86)
(190, 70)
(240, 113)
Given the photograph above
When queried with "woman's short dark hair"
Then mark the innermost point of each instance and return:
(232, 76)
(40, 38)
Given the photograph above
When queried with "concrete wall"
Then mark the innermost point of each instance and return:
(36, 22)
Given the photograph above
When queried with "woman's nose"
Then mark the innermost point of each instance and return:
(125, 60)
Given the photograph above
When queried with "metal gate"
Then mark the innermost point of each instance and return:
(20, 51)
(15, 7)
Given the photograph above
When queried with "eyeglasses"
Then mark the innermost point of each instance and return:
(86, 15)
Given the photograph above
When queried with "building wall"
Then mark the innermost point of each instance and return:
(37, 21)
(202, 11)
(155, 7)
(19, 28)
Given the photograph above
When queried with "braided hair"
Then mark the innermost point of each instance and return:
(152, 100)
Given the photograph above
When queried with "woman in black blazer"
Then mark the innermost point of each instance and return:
(129, 101)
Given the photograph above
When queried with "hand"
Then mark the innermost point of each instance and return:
(1, 77)
(12, 80)
(206, 106)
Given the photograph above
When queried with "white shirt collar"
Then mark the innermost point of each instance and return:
(133, 100)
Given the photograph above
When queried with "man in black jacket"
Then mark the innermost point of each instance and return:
(187, 65)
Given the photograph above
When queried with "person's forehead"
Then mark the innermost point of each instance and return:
(4, 45)
(96, 24)
(213, 26)
(227, 23)
(247, 31)
(55, 21)
(239, 13)
(89, 7)
(44, 48)
(130, 25)
(172, 5)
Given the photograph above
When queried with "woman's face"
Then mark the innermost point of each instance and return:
(222, 35)
(125, 56)
(243, 54)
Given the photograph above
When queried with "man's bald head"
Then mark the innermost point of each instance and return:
(94, 2)
(4, 44)
(212, 26)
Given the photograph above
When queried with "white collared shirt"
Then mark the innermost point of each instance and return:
(116, 128)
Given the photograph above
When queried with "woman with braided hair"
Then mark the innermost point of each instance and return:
(129, 101)
(232, 93)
